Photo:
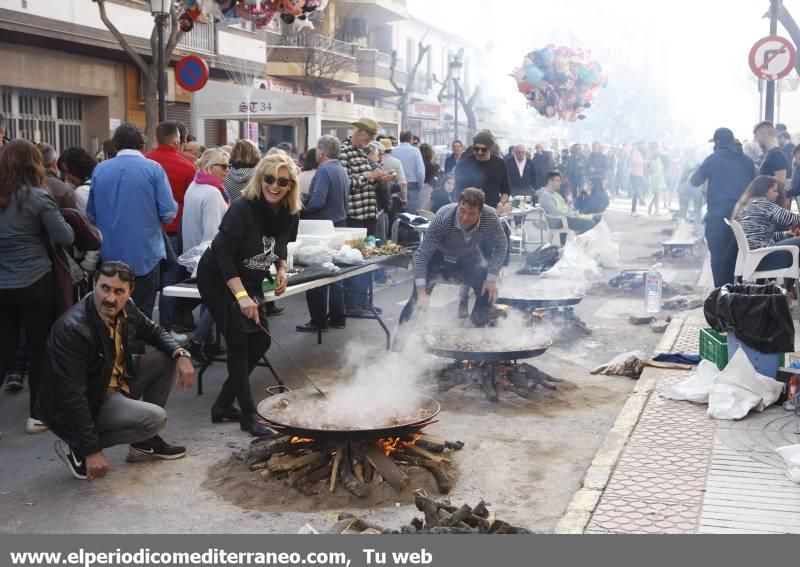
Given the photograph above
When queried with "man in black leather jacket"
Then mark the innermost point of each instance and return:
(94, 394)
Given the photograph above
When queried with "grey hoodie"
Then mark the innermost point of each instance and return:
(237, 180)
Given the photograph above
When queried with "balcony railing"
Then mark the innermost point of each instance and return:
(201, 38)
(312, 40)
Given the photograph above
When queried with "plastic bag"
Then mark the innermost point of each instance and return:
(758, 315)
(574, 265)
(600, 245)
(697, 387)
(739, 389)
(791, 458)
(540, 260)
(191, 258)
(310, 255)
(348, 255)
(626, 364)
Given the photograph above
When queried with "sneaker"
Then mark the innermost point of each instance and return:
(154, 448)
(14, 382)
(34, 426)
(310, 327)
(179, 338)
(72, 458)
(197, 352)
(272, 309)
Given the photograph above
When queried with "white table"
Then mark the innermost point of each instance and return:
(190, 291)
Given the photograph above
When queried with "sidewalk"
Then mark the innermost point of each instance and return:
(666, 467)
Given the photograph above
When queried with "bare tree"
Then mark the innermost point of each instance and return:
(149, 70)
(404, 93)
(468, 103)
(322, 65)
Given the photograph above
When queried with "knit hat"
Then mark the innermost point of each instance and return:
(484, 137)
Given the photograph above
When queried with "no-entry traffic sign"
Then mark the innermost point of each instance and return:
(773, 57)
(191, 73)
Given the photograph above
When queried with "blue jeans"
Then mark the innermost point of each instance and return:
(170, 276)
(413, 197)
(204, 332)
(779, 260)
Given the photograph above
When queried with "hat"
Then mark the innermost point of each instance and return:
(722, 136)
(367, 124)
(484, 137)
(387, 144)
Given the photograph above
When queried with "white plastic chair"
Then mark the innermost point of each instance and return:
(554, 234)
(747, 260)
(427, 215)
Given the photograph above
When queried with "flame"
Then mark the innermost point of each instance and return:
(301, 440)
(391, 445)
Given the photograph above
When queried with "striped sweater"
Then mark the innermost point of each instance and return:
(445, 236)
(362, 204)
(765, 223)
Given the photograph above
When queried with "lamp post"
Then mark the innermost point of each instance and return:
(160, 9)
(455, 65)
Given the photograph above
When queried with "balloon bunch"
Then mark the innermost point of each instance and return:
(261, 12)
(560, 81)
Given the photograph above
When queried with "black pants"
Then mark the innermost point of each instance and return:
(145, 291)
(34, 306)
(470, 270)
(722, 246)
(357, 288)
(244, 349)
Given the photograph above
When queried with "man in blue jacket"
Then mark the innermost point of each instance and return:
(728, 173)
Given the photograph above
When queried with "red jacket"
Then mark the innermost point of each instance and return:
(180, 172)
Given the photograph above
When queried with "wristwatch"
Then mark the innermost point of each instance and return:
(182, 352)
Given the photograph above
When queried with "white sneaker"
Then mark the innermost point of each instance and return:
(179, 338)
(34, 426)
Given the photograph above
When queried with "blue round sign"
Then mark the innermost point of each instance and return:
(191, 73)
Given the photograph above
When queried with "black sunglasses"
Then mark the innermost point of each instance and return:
(482, 150)
(115, 268)
(269, 179)
(222, 165)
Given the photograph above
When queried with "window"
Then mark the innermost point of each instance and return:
(41, 116)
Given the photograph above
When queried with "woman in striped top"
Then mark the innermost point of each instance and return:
(765, 223)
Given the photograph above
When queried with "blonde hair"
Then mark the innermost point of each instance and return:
(276, 150)
(272, 164)
(211, 157)
(245, 153)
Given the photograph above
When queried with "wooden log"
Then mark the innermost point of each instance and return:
(481, 510)
(418, 523)
(427, 455)
(369, 473)
(439, 530)
(499, 527)
(337, 460)
(297, 476)
(258, 466)
(488, 386)
(289, 463)
(454, 445)
(358, 489)
(443, 481)
(432, 444)
(363, 525)
(320, 473)
(458, 516)
(358, 472)
(479, 523)
(427, 507)
(387, 469)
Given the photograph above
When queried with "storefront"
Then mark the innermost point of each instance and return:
(271, 117)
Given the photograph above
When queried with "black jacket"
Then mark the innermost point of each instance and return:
(78, 364)
(251, 237)
(490, 176)
(524, 184)
(593, 204)
(440, 198)
(728, 172)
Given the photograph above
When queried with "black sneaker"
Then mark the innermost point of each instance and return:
(212, 350)
(14, 382)
(310, 327)
(72, 458)
(154, 448)
(197, 352)
(273, 310)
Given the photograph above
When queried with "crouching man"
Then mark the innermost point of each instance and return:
(465, 244)
(94, 394)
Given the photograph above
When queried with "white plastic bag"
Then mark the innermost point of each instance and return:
(310, 255)
(191, 258)
(739, 389)
(791, 458)
(601, 245)
(348, 255)
(697, 387)
(575, 265)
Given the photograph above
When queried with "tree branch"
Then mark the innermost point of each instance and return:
(175, 33)
(101, 4)
(392, 67)
(421, 51)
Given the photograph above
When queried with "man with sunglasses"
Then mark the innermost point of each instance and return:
(94, 393)
(484, 170)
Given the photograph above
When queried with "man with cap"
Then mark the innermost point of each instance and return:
(484, 170)
(362, 204)
(728, 173)
(413, 167)
(392, 165)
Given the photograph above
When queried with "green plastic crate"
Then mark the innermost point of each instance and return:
(714, 347)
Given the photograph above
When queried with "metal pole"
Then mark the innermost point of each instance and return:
(455, 109)
(162, 102)
(774, 10)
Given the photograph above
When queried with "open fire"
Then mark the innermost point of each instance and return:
(495, 378)
(310, 466)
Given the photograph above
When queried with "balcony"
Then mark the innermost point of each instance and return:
(312, 56)
(202, 38)
(376, 12)
(374, 69)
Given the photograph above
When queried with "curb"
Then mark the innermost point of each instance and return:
(580, 509)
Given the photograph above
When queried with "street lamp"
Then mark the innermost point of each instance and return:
(455, 65)
(160, 9)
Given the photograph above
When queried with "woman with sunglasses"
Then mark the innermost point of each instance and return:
(254, 234)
